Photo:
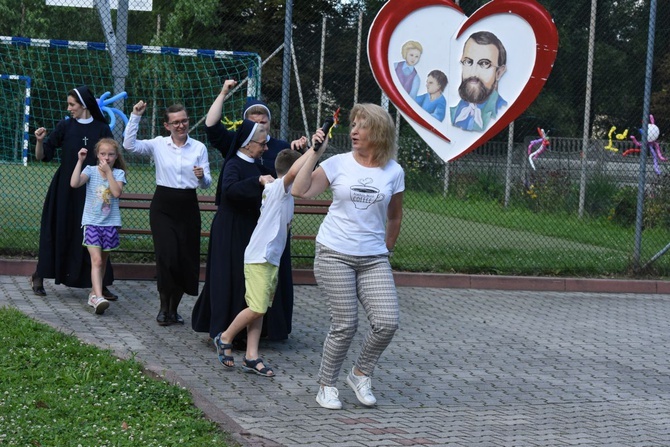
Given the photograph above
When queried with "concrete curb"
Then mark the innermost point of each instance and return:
(13, 267)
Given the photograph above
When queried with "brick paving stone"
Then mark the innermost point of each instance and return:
(467, 367)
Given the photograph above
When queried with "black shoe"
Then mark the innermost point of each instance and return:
(162, 319)
(37, 285)
(108, 295)
(175, 318)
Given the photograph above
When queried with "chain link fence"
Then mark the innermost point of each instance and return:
(571, 210)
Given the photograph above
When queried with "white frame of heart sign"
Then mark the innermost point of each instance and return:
(514, 42)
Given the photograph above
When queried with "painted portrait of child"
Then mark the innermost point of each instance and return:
(406, 70)
(433, 101)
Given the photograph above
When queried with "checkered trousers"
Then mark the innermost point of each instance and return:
(346, 280)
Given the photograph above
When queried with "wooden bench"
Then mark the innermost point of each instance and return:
(310, 206)
(134, 201)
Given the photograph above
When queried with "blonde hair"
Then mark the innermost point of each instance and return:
(119, 163)
(410, 45)
(381, 130)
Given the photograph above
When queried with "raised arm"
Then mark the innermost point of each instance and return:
(295, 168)
(130, 141)
(39, 148)
(78, 179)
(309, 183)
(216, 109)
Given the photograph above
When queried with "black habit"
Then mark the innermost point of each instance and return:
(222, 298)
(212, 312)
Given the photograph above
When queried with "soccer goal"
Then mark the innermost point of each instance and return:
(161, 76)
(14, 118)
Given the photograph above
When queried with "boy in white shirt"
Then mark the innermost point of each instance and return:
(261, 264)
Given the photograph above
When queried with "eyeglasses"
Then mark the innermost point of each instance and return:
(261, 143)
(484, 64)
(180, 123)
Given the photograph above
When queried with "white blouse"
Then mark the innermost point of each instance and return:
(174, 164)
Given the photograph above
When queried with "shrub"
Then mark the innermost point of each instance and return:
(548, 191)
(601, 191)
(423, 169)
(657, 205)
(484, 185)
(625, 206)
(656, 211)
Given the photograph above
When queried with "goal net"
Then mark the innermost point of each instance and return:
(44, 70)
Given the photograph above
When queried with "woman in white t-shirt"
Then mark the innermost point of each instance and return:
(354, 244)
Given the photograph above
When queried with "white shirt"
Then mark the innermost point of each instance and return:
(174, 164)
(269, 237)
(356, 221)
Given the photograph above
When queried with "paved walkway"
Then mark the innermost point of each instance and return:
(467, 368)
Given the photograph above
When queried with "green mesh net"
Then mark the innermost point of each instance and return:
(35, 78)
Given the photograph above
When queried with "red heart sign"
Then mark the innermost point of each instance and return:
(480, 72)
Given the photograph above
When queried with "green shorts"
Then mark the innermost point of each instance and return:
(260, 281)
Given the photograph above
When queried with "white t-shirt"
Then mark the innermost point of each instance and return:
(269, 237)
(356, 220)
(101, 207)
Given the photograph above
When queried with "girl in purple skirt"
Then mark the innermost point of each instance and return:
(102, 217)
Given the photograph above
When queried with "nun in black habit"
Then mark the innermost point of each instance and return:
(61, 254)
(277, 321)
(240, 189)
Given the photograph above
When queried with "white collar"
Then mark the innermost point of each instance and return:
(245, 157)
(85, 120)
(173, 144)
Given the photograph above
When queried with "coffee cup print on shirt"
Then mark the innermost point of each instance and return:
(364, 195)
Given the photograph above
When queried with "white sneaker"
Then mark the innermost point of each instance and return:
(327, 398)
(98, 303)
(362, 386)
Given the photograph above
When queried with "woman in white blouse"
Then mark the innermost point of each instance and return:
(182, 166)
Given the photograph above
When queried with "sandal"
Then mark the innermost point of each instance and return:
(226, 360)
(37, 285)
(251, 366)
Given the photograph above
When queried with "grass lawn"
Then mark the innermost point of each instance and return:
(439, 234)
(481, 247)
(58, 391)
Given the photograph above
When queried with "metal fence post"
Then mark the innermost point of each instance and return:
(508, 170)
(645, 126)
(286, 70)
(587, 109)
